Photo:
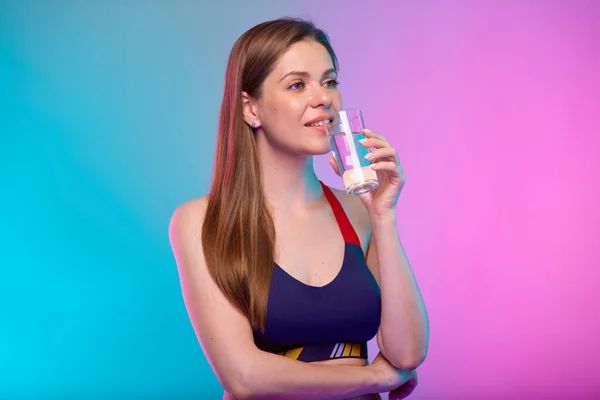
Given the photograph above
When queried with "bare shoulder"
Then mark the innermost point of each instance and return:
(354, 207)
(188, 217)
(185, 228)
(192, 209)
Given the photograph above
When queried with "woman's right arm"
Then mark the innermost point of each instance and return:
(226, 336)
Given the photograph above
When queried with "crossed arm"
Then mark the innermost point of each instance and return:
(226, 336)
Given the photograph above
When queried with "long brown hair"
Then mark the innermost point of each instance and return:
(238, 234)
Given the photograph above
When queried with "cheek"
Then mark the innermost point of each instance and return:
(295, 107)
(284, 107)
(286, 113)
(281, 120)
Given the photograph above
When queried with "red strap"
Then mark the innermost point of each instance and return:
(346, 227)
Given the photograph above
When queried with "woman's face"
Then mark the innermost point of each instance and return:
(301, 90)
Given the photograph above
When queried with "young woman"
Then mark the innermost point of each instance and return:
(272, 262)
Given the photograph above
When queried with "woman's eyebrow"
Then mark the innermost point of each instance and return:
(305, 74)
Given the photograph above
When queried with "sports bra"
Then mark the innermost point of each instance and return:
(315, 323)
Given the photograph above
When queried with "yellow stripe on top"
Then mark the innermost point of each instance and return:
(340, 350)
(294, 353)
(347, 349)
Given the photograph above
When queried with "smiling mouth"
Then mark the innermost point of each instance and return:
(320, 123)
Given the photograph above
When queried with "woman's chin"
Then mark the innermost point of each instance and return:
(320, 147)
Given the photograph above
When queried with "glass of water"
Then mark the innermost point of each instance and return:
(344, 135)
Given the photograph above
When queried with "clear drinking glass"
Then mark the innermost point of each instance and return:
(344, 135)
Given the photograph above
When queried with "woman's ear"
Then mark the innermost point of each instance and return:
(249, 111)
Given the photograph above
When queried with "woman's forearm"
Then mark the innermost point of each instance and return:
(404, 327)
(272, 376)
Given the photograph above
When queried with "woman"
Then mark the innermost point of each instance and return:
(259, 257)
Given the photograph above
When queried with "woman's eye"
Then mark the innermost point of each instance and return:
(300, 85)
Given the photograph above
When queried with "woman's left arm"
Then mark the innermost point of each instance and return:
(403, 334)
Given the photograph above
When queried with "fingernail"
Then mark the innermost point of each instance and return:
(369, 156)
(362, 141)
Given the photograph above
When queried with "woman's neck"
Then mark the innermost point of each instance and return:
(289, 181)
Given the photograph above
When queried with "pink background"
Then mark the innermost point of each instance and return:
(494, 110)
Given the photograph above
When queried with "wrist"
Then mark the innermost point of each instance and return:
(375, 379)
(386, 218)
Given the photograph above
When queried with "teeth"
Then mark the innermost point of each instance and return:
(320, 123)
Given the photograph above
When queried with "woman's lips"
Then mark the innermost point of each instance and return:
(320, 128)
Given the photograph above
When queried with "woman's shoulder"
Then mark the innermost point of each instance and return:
(187, 218)
(353, 206)
(356, 212)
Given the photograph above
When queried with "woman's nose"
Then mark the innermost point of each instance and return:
(321, 98)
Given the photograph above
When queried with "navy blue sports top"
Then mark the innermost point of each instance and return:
(310, 323)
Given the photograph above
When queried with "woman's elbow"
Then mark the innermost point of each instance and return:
(408, 363)
(247, 385)
(241, 393)
(408, 360)
(236, 385)
(238, 390)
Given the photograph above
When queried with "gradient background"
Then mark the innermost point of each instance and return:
(108, 114)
